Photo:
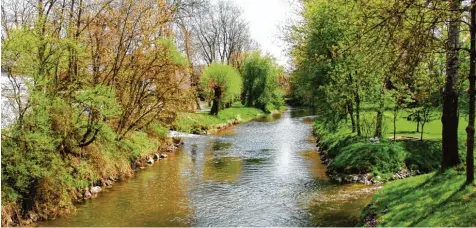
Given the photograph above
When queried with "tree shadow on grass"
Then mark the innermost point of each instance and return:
(410, 203)
(440, 206)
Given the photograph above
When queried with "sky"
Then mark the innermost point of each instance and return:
(264, 18)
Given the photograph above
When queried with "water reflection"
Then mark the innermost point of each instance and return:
(222, 169)
(260, 173)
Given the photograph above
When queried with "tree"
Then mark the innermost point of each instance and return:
(222, 84)
(220, 32)
(472, 98)
(450, 98)
(261, 82)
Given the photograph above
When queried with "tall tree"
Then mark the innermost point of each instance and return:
(450, 97)
(472, 96)
(223, 85)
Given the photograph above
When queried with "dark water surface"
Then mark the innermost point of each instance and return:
(261, 173)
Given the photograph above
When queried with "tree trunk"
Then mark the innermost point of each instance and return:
(350, 110)
(418, 126)
(395, 112)
(450, 97)
(421, 134)
(357, 113)
(381, 106)
(250, 99)
(216, 101)
(472, 99)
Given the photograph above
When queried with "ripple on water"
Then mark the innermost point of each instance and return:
(260, 173)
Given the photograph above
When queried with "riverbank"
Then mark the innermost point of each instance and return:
(435, 199)
(107, 161)
(80, 176)
(351, 158)
(203, 123)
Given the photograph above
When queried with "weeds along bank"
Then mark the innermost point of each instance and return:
(41, 182)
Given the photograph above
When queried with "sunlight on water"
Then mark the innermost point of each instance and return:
(261, 173)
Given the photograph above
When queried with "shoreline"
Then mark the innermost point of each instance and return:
(11, 212)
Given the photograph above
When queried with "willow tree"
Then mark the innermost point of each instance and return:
(222, 83)
(261, 82)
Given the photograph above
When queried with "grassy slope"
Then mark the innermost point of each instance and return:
(351, 154)
(435, 199)
(196, 122)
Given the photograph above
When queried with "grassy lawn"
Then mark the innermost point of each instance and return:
(435, 199)
(406, 128)
(202, 122)
(351, 154)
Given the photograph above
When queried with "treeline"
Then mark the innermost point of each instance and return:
(257, 83)
(417, 56)
(90, 83)
(94, 85)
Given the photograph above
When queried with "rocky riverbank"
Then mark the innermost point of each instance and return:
(367, 178)
(12, 215)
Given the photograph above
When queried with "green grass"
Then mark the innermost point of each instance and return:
(202, 122)
(435, 199)
(352, 154)
(404, 127)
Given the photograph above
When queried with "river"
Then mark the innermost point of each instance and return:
(261, 173)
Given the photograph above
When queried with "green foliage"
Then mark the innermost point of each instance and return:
(261, 86)
(155, 129)
(436, 199)
(101, 99)
(139, 145)
(352, 154)
(223, 76)
(365, 157)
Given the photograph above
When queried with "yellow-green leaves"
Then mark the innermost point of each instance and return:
(224, 76)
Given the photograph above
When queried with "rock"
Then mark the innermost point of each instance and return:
(374, 140)
(150, 160)
(163, 156)
(355, 178)
(348, 178)
(338, 179)
(171, 148)
(87, 194)
(95, 189)
(156, 156)
(33, 216)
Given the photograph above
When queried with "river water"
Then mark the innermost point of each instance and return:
(261, 173)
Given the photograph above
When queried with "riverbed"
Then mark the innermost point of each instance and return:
(261, 173)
